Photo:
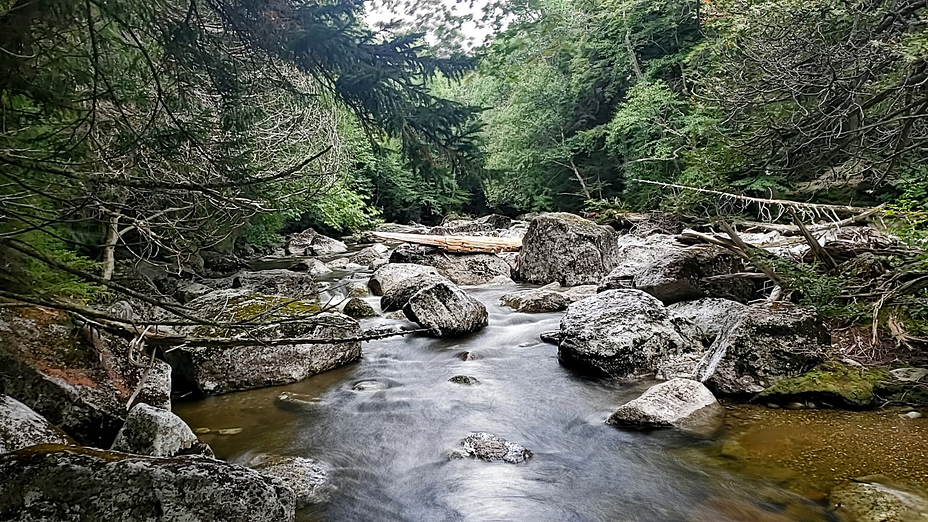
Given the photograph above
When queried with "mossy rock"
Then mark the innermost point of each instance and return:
(831, 383)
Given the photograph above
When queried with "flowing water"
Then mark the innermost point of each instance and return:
(386, 425)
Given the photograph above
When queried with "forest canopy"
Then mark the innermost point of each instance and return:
(160, 129)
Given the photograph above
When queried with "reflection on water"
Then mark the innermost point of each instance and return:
(387, 424)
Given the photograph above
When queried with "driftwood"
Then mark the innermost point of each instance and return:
(463, 244)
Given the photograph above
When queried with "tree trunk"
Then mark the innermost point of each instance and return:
(109, 247)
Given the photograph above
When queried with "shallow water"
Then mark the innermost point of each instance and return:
(388, 440)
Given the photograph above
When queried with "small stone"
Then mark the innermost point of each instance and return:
(466, 380)
(358, 308)
(911, 415)
(773, 406)
(201, 431)
(795, 406)
(368, 386)
(230, 431)
(491, 448)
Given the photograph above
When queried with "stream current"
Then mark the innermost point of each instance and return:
(386, 425)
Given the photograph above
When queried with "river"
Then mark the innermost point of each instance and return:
(386, 425)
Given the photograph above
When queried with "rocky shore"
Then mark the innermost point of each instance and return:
(86, 428)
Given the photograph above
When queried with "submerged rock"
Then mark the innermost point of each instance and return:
(679, 403)
(308, 478)
(157, 433)
(311, 243)
(21, 427)
(568, 249)
(535, 301)
(223, 368)
(446, 310)
(621, 333)
(77, 378)
(78, 484)
(491, 448)
(708, 314)
(831, 384)
(466, 380)
(461, 269)
(866, 501)
(389, 275)
(763, 344)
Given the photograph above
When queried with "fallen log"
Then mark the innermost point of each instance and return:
(462, 244)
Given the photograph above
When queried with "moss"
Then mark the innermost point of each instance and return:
(247, 307)
(830, 383)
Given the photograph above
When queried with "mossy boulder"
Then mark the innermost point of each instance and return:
(216, 369)
(830, 384)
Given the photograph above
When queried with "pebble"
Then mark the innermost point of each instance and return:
(201, 431)
(911, 415)
(230, 431)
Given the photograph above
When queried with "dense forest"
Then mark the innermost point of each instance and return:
(134, 131)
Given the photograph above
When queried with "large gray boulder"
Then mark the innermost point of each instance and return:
(873, 499)
(57, 483)
(311, 243)
(282, 282)
(446, 310)
(80, 379)
(367, 255)
(389, 275)
(535, 301)
(258, 362)
(621, 333)
(21, 427)
(461, 269)
(679, 403)
(708, 314)
(308, 478)
(763, 344)
(568, 249)
(398, 295)
(634, 254)
(490, 448)
(687, 274)
(156, 433)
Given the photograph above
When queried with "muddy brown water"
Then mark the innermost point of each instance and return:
(386, 425)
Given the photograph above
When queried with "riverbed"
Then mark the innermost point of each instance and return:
(386, 425)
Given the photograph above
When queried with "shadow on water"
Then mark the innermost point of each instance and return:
(388, 439)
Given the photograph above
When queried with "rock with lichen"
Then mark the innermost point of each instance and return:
(80, 484)
(490, 448)
(21, 427)
(567, 249)
(253, 361)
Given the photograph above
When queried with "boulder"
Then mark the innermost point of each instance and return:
(446, 310)
(314, 267)
(490, 448)
(501, 280)
(567, 248)
(311, 243)
(577, 293)
(281, 282)
(399, 294)
(369, 254)
(188, 291)
(763, 344)
(621, 333)
(869, 500)
(385, 277)
(535, 301)
(223, 368)
(21, 427)
(308, 478)
(357, 289)
(78, 378)
(682, 275)
(79, 484)
(678, 403)
(461, 269)
(707, 314)
(157, 433)
(358, 308)
(633, 254)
